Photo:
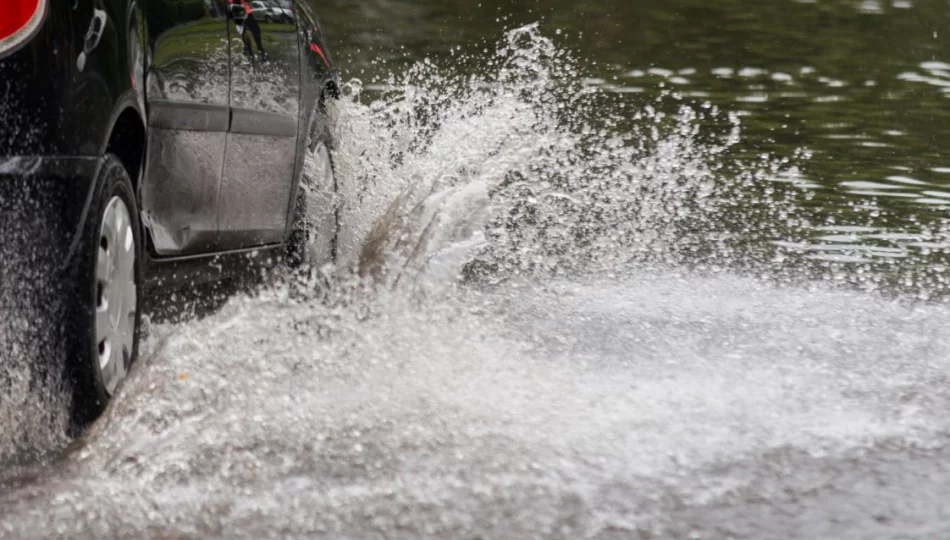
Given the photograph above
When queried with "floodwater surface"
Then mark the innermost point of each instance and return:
(623, 270)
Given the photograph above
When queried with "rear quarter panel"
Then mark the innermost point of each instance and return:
(52, 103)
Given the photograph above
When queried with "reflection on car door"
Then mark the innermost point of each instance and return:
(188, 102)
(261, 144)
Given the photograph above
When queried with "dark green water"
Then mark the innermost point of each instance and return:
(856, 94)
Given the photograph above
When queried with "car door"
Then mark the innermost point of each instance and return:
(187, 98)
(262, 140)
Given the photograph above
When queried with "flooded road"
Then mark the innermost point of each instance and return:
(657, 405)
(609, 290)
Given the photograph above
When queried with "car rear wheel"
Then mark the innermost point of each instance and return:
(316, 217)
(105, 324)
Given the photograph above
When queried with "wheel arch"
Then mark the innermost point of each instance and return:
(126, 134)
(328, 88)
(127, 141)
(122, 130)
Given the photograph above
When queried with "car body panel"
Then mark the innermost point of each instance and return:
(58, 112)
(262, 141)
(188, 82)
(49, 104)
(73, 178)
(65, 93)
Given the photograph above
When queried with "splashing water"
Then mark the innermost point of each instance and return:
(546, 359)
(515, 170)
(32, 401)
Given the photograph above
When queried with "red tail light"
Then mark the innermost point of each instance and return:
(19, 19)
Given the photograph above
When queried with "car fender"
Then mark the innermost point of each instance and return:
(311, 122)
(130, 36)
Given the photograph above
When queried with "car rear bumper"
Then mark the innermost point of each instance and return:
(47, 191)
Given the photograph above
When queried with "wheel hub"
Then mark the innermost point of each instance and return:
(116, 294)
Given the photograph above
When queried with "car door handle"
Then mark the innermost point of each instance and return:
(93, 35)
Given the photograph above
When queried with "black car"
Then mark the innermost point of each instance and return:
(162, 138)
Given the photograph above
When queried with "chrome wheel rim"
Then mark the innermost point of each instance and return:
(116, 294)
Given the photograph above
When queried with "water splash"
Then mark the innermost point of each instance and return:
(511, 163)
(519, 169)
(33, 412)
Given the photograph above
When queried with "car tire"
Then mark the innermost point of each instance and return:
(103, 330)
(313, 239)
(268, 19)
